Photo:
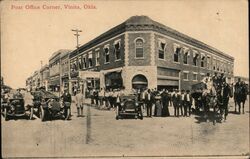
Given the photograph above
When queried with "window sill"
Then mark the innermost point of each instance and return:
(117, 60)
(161, 59)
(106, 63)
(139, 58)
(176, 62)
(185, 64)
(185, 79)
(195, 80)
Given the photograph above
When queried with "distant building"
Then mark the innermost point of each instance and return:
(44, 73)
(142, 53)
(64, 70)
(54, 69)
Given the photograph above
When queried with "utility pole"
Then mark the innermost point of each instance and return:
(77, 31)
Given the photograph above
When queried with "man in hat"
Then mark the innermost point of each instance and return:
(66, 99)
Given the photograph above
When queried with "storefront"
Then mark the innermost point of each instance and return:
(113, 80)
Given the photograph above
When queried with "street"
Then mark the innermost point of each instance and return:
(99, 134)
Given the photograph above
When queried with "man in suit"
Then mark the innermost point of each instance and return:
(149, 102)
(175, 103)
(165, 102)
(188, 103)
(181, 101)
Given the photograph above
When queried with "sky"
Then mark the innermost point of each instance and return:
(29, 35)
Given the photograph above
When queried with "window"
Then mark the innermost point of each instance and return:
(186, 55)
(161, 47)
(195, 58)
(202, 60)
(177, 50)
(117, 46)
(80, 62)
(214, 64)
(139, 48)
(106, 53)
(185, 76)
(195, 76)
(75, 64)
(84, 62)
(97, 57)
(208, 62)
(90, 60)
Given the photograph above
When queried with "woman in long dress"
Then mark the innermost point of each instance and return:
(158, 105)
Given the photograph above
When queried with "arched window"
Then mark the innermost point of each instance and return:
(139, 48)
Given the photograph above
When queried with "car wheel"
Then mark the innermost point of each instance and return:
(42, 113)
(5, 114)
(117, 117)
(67, 114)
(31, 113)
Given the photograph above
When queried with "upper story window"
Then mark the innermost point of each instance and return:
(84, 61)
(90, 60)
(161, 49)
(97, 58)
(218, 65)
(186, 55)
(195, 58)
(177, 51)
(214, 64)
(203, 60)
(80, 62)
(117, 47)
(195, 76)
(185, 75)
(139, 48)
(208, 62)
(106, 53)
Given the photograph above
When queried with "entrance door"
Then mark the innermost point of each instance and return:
(139, 82)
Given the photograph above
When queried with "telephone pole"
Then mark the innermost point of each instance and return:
(77, 31)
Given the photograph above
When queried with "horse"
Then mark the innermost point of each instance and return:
(240, 96)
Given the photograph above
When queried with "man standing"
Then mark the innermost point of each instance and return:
(188, 102)
(66, 99)
(165, 101)
(79, 103)
(148, 101)
(181, 101)
(175, 103)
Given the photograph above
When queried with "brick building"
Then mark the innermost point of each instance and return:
(64, 69)
(44, 73)
(141, 52)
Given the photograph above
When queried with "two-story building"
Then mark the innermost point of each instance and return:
(44, 73)
(141, 52)
(64, 69)
(55, 69)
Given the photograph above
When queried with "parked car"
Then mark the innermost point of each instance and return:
(49, 106)
(129, 107)
(15, 108)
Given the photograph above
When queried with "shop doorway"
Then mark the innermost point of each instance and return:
(139, 82)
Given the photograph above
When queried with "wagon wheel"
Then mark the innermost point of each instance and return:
(5, 114)
(67, 114)
(31, 113)
(42, 113)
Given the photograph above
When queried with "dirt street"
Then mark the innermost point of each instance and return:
(99, 134)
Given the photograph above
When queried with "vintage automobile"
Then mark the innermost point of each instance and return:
(49, 106)
(129, 107)
(15, 108)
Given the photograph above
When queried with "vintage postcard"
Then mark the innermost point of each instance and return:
(124, 79)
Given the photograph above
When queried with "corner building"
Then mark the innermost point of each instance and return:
(140, 53)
